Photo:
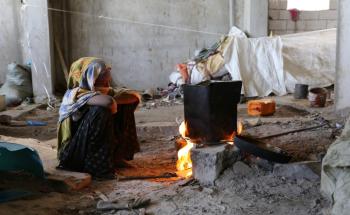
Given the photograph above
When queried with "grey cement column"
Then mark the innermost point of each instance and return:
(343, 56)
(256, 17)
(37, 46)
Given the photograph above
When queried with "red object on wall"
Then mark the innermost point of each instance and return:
(294, 14)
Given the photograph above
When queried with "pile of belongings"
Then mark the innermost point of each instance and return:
(265, 65)
(18, 85)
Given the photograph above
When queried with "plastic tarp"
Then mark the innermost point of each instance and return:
(275, 64)
(258, 63)
(16, 157)
(271, 64)
(309, 58)
(335, 180)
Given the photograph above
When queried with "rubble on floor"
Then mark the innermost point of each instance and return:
(249, 186)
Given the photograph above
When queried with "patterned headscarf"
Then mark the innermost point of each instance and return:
(81, 84)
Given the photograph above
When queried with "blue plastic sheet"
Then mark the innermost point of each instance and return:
(16, 157)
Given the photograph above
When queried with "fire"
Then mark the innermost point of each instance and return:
(239, 127)
(231, 137)
(184, 162)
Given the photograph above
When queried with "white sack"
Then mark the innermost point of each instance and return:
(258, 63)
(18, 84)
(309, 58)
(276, 64)
(335, 180)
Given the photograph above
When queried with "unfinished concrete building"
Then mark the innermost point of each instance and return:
(174, 107)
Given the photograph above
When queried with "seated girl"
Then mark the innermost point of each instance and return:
(96, 124)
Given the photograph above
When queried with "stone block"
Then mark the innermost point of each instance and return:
(328, 14)
(242, 169)
(312, 25)
(277, 24)
(309, 15)
(333, 4)
(274, 14)
(332, 24)
(301, 170)
(73, 180)
(285, 14)
(278, 4)
(209, 162)
(291, 25)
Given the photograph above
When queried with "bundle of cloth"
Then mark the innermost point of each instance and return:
(265, 65)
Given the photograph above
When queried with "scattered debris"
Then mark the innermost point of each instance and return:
(241, 168)
(293, 131)
(125, 205)
(300, 170)
(128, 178)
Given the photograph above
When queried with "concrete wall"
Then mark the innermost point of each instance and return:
(143, 56)
(343, 56)
(280, 19)
(59, 24)
(37, 45)
(251, 16)
(10, 48)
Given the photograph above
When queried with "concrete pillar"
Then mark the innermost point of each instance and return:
(343, 56)
(10, 50)
(37, 46)
(256, 17)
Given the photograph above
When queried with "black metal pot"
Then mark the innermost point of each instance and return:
(211, 110)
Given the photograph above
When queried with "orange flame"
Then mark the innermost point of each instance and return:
(184, 162)
(239, 127)
(239, 131)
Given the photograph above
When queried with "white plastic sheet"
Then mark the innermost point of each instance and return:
(309, 58)
(335, 180)
(275, 64)
(258, 63)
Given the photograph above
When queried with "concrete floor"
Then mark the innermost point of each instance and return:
(157, 127)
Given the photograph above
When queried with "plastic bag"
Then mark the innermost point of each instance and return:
(18, 84)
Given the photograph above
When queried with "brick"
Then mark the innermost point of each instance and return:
(291, 25)
(209, 162)
(312, 25)
(285, 14)
(278, 4)
(328, 14)
(332, 24)
(309, 15)
(301, 25)
(280, 33)
(274, 14)
(73, 180)
(333, 4)
(277, 24)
